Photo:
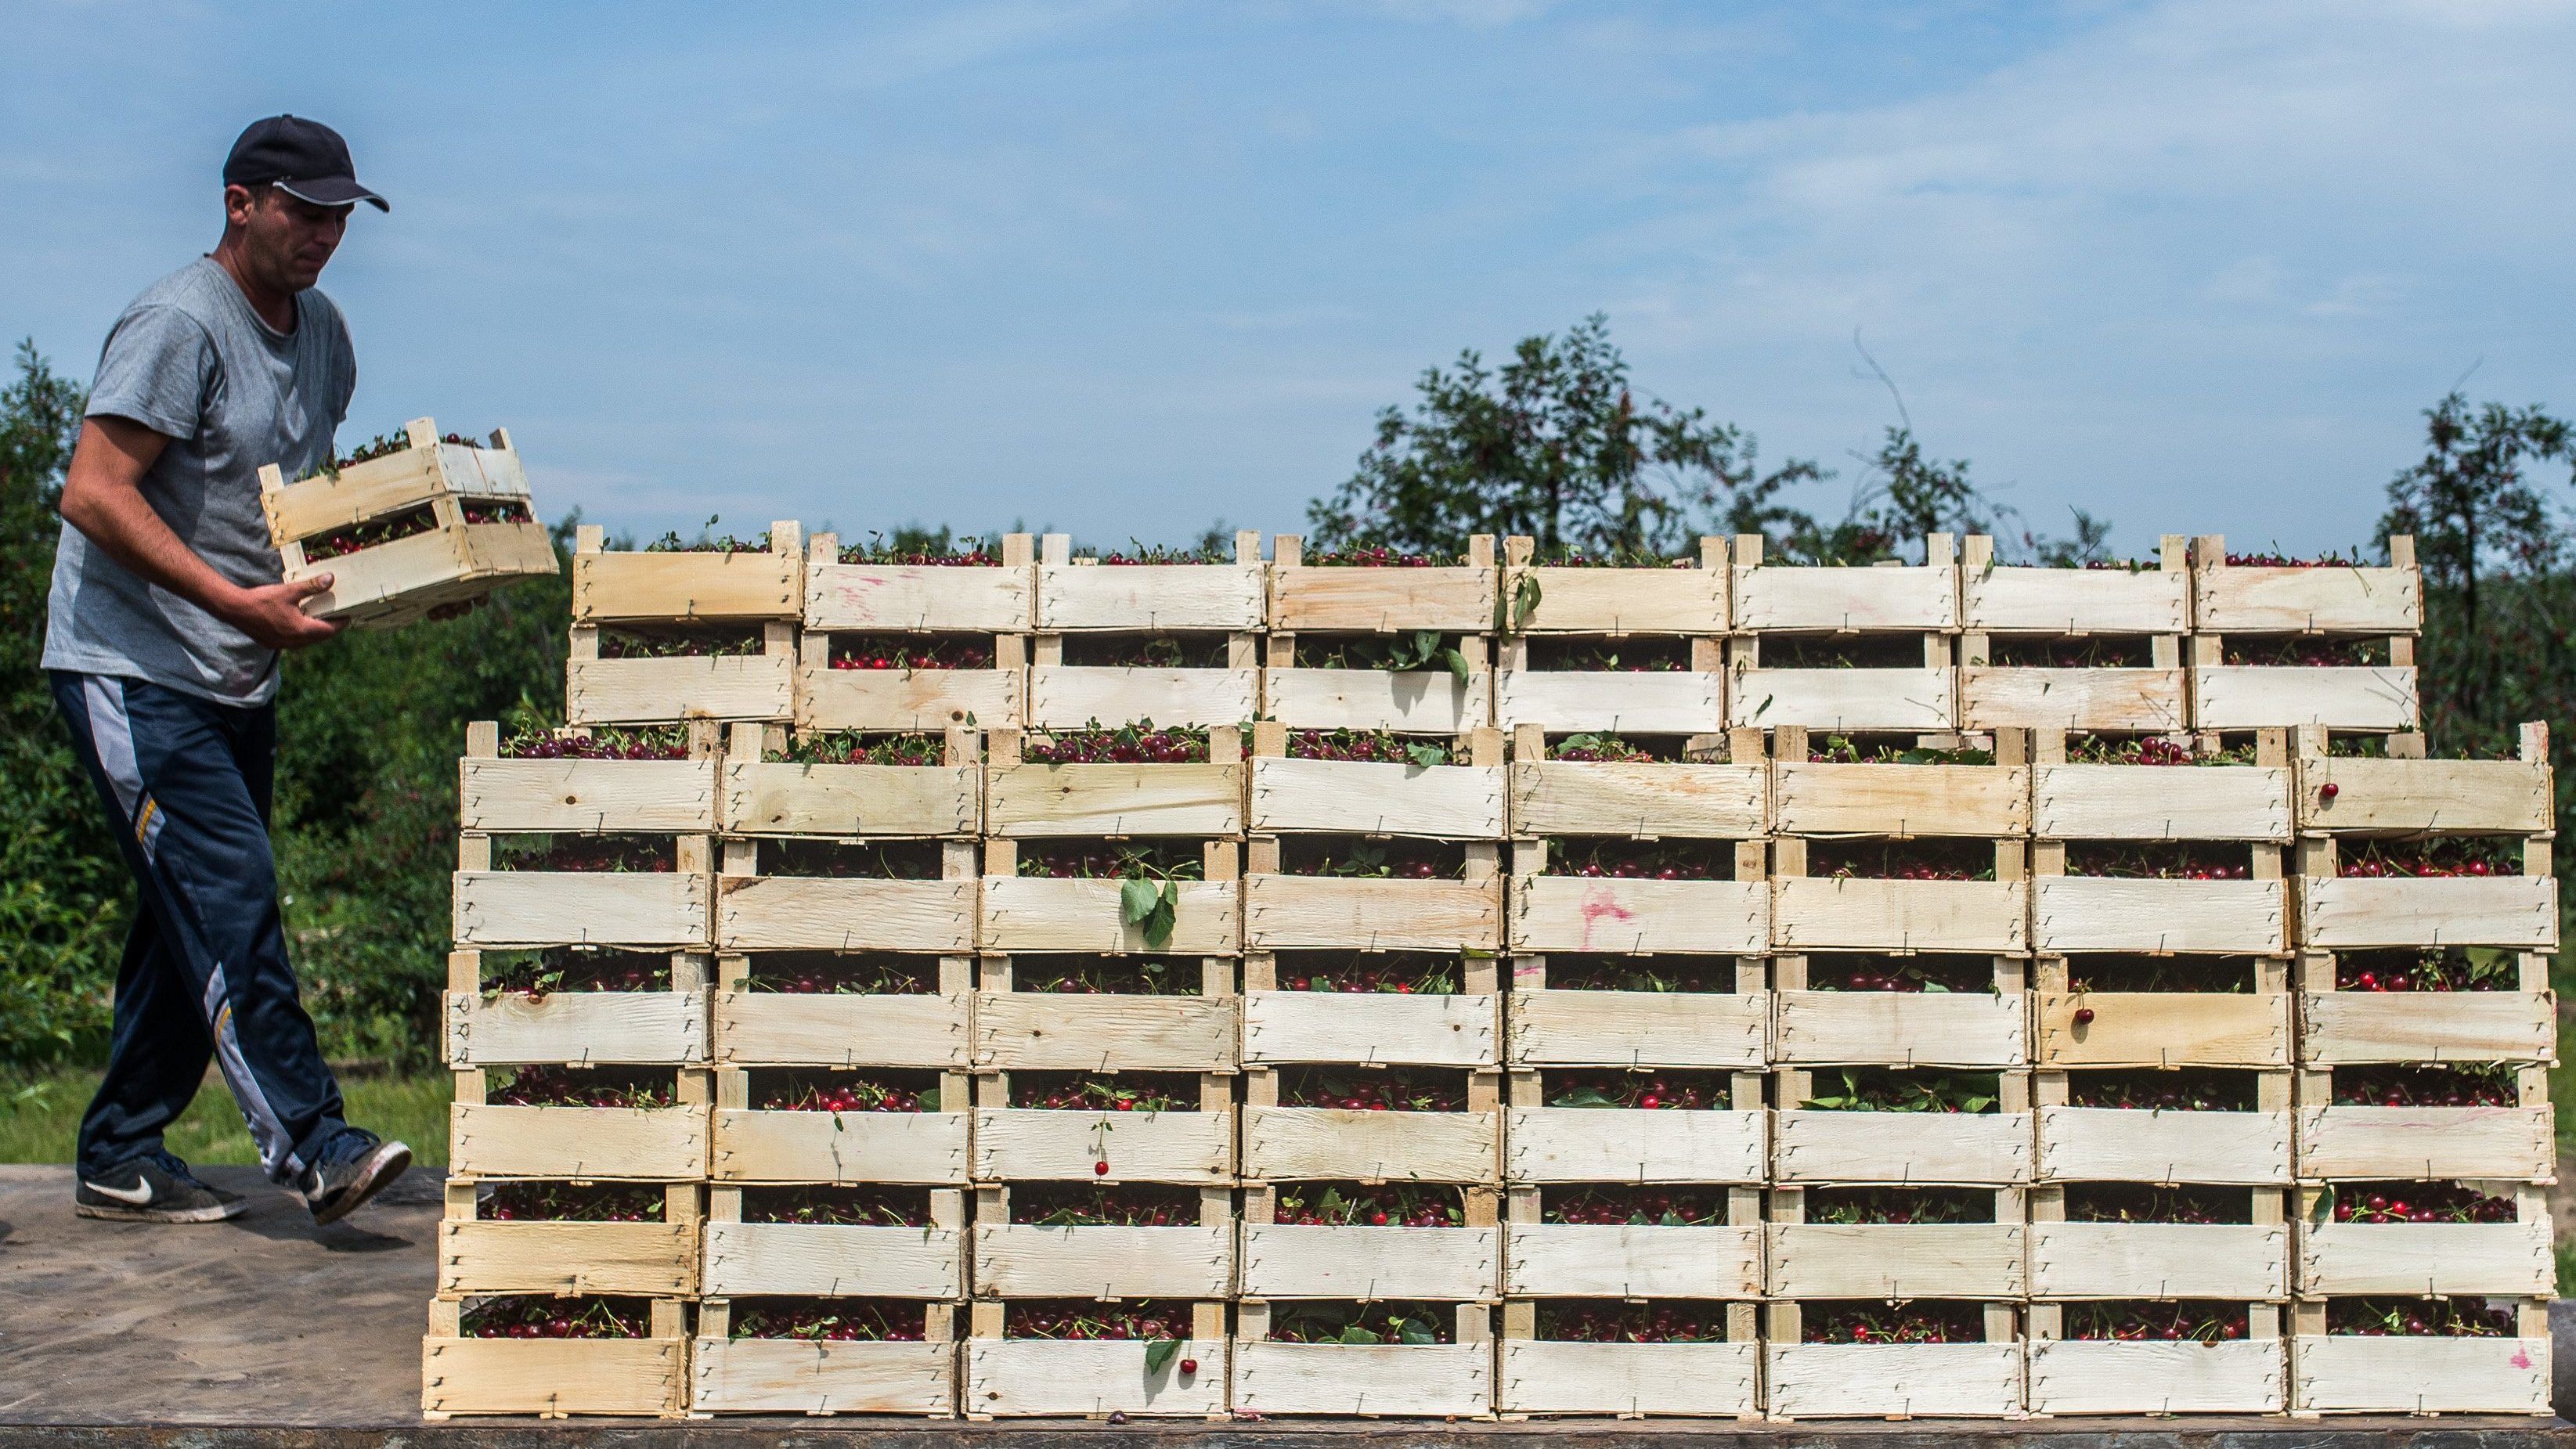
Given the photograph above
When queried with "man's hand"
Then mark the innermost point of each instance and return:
(273, 614)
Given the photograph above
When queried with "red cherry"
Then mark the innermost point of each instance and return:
(1189, 1366)
(1100, 1169)
(2083, 1016)
(2328, 790)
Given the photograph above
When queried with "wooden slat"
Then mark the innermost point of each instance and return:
(580, 908)
(801, 1376)
(1063, 696)
(1902, 800)
(843, 1029)
(648, 1144)
(664, 691)
(666, 1028)
(1447, 802)
(1890, 1260)
(374, 581)
(1652, 702)
(2339, 1373)
(1703, 802)
(2308, 600)
(908, 699)
(1043, 1144)
(1841, 699)
(1900, 915)
(1845, 599)
(1818, 1146)
(1336, 1378)
(833, 1260)
(2001, 600)
(1009, 1377)
(1287, 1143)
(1447, 1030)
(2426, 1142)
(687, 586)
(2406, 796)
(2096, 1376)
(1908, 1028)
(2164, 1029)
(2142, 701)
(645, 797)
(1282, 1260)
(1630, 1260)
(2254, 696)
(1637, 1029)
(1603, 1144)
(840, 1147)
(2356, 913)
(2160, 802)
(1024, 1261)
(2113, 913)
(1628, 1379)
(1028, 1031)
(830, 913)
(2120, 1144)
(1042, 913)
(654, 1259)
(1814, 1380)
(2337, 1028)
(1155, 598)
(1586, 913)
(1285, 912)
(1383, 600)
(551, 1376)
(2425, 1259)
(1419, 703)
(1026, 801)
(909, 598)
(776, 797)
(2242, 1261)
(372, 489)
(1618, 601)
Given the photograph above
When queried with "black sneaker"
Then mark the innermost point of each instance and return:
(157, 1188)
(355, 1166)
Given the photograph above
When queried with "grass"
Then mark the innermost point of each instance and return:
(40, 1117)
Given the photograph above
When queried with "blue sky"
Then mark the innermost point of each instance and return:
(1133, 267)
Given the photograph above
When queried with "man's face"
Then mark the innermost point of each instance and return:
(286, 242)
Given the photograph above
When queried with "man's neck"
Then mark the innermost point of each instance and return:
(276, 308)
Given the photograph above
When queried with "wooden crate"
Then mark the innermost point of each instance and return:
(1980, 1261)
(2341, 914)
(2339, 1259)
(1035, 913)
(592, 797)
(1017, 1260)
(2332, 600)
(478, 1255)
(762, 797)
(2338, 1373)
(1351, 797)
(1579, 914)
(1372, 1029)
(554, 1378)
(1371, 1264)
(1082, 596)
(1282, 1144)
(1901, 1028)
(852, 598)
(1600, 1144)
(1379, 601)
(1445, 1380)
(1293, 912)
(2347, 796)
(2339, 1028)
(1893, 1380)
(2181, 1376)
(826, 913)
(2160, 803)
(2119, 1144)
(1816, 1146)
(2062, 604)
(452, 561)
(1032, 800)
(1021, 1144)
(581, 908)
(681, 586)
(1602, 1260)
(649, 1028)
(730, 1375)
(615, 1144)
(2428, 1143)
(1617, 603)
(1644, 801)
(1781, 599)
(756, 1146)
(1452, 599)
(744, 1259)
(1628, 1380)
(2238, 1261)
(1037, 1377)
(1900, 915)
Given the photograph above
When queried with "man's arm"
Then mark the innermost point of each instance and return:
(103, 498)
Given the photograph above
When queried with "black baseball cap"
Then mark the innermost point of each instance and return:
(306, 159)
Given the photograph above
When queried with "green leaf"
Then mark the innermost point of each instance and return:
(1933, 987)
(1416, 1331)
(929, 1099)
(1425, 756)
(1457, 663)
(1160, 1352)
(1524, 598)
(1330, 1203)
(1136, 900)
(1585, 1097)
(1354, 1334)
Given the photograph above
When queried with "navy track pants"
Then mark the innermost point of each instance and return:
(186, 782)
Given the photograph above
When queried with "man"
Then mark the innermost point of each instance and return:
(162, 637)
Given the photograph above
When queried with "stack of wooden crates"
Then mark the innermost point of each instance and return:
(1799, 992)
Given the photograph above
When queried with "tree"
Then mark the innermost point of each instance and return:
(1557, 446)
(62, 886)
(2479, 524)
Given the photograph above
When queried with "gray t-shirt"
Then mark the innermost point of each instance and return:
(190, 360)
